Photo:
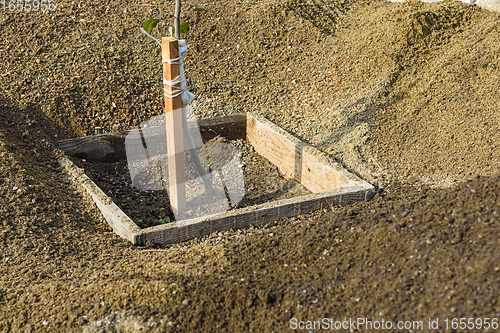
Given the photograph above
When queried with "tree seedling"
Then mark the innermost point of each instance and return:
(147, 28)
(148, 25)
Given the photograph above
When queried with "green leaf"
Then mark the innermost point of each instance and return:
(184, 27)
(166, 219)
(197, 9)
(150, 24)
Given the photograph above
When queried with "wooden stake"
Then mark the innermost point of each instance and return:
(175, 144)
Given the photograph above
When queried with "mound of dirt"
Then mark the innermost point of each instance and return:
(403, 94)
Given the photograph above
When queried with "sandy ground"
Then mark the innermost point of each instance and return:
(403, 94)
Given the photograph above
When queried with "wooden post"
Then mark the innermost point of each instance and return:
(175, 144)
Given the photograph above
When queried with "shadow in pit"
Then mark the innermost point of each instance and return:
(28, 128)
(28, 134)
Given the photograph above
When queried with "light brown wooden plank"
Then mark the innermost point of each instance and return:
(122, 225)
(295, 159)
(230, 127)
(253, 216)
(110, 147)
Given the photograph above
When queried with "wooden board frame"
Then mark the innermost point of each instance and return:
(329, 182)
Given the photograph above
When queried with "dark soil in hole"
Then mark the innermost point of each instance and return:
(263, 183)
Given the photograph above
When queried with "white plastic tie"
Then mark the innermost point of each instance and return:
(145, 32)
(186, 96)
(176, 61)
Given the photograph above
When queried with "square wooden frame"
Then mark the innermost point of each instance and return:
(328, 181)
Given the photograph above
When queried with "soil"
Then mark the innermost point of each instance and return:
(403, 94)
(263, 183)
